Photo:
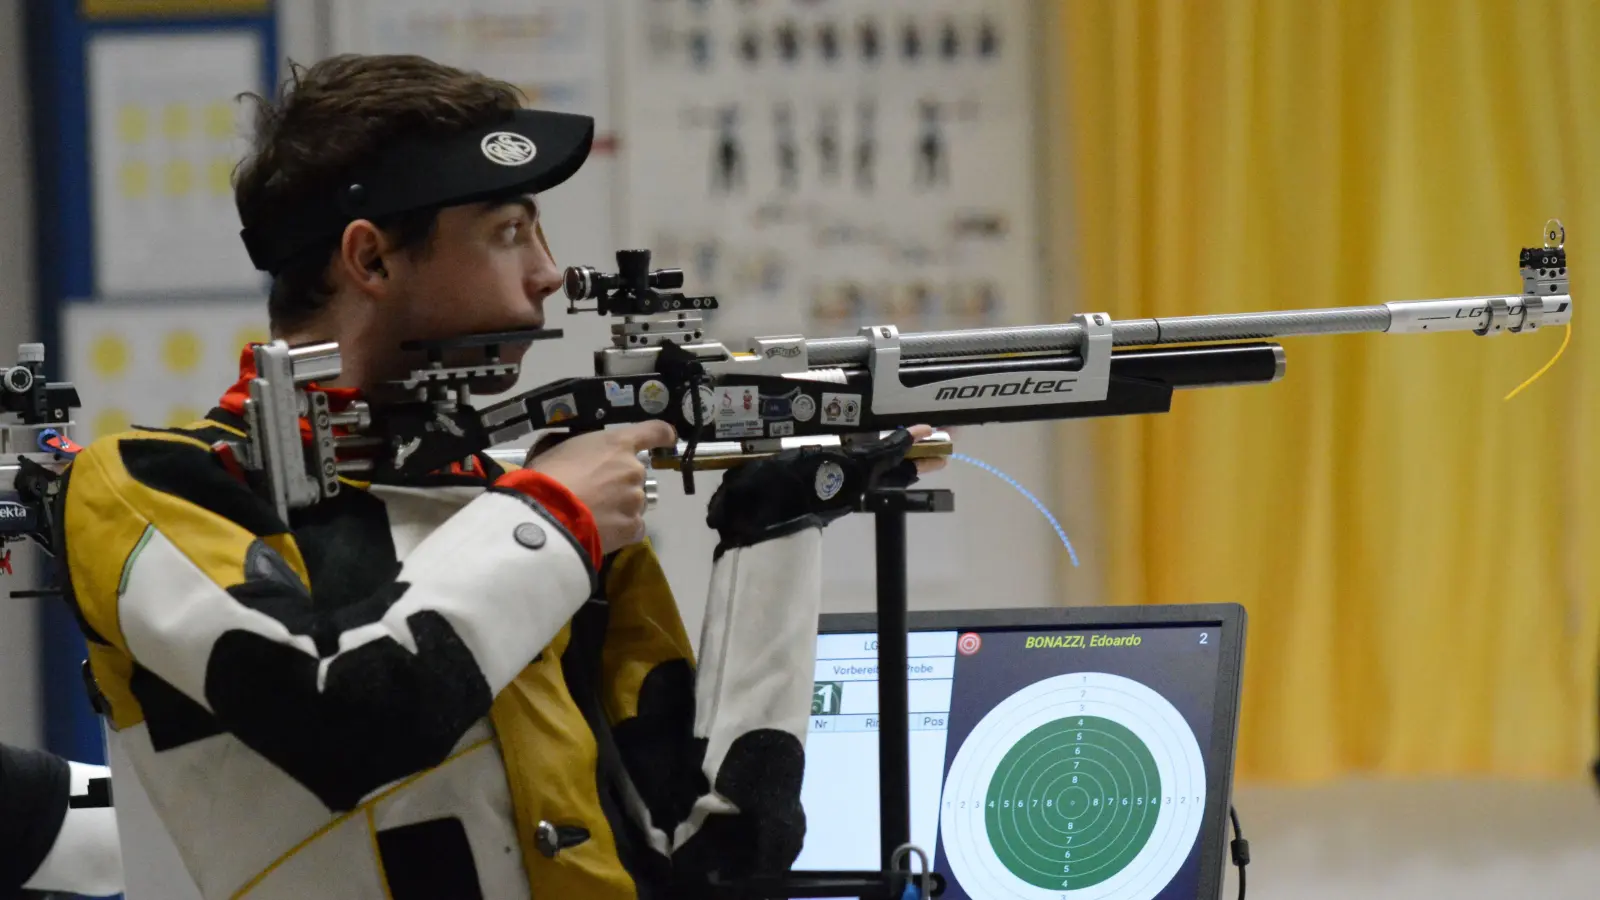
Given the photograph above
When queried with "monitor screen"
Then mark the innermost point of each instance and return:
(1086, 760)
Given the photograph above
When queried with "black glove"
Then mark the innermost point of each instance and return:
(805, 487)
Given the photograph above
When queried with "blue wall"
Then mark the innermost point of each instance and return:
(58, 36)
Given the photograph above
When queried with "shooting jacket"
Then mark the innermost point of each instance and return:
(57, 832)
(384, 697)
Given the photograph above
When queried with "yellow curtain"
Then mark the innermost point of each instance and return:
(1419, 557)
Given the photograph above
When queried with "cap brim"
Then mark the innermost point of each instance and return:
(531, 152)
(528, 152)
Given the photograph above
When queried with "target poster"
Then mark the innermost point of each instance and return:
(165, 132)
(160, 365)
(1060, 765)
(822, 165)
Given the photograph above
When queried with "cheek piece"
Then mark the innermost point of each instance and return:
(525, 152)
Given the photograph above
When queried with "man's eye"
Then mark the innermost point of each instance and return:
(513, 231)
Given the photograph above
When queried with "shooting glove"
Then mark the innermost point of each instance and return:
(804, 487)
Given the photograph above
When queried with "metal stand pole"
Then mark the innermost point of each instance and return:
(894, 717)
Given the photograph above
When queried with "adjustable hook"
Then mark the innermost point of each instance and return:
(1555, 232)
(922, 887)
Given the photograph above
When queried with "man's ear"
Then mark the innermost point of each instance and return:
(362, 249)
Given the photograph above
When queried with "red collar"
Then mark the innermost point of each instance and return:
(339, 399)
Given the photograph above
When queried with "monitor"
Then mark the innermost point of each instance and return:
(1075, 753)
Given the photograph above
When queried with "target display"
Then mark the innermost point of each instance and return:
(1084, 791)
(1086, 786)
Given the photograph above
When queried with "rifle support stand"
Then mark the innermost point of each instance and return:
(889, 507)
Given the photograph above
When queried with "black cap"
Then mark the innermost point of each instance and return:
(529, 151)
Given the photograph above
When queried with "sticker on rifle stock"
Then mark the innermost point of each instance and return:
(780, 429)
(841, 409)
(707, 409)
(559, 409)
(738, 429)
(830, 478)
(738, 406)
(803, 407)
(621, 394)
(653, 396)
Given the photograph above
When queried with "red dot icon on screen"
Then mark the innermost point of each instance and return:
(969, 643)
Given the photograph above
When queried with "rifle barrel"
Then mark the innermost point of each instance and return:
(1456, 314)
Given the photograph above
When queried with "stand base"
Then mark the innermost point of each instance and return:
(822, 883)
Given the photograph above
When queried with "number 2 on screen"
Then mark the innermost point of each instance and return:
(1205, 637)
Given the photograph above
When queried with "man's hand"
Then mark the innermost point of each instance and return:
(810, 485)
(932, 464)
(603, 469)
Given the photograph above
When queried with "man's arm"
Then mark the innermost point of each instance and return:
(752, 701)
(192, 577)
(716, 752)
(49, 843)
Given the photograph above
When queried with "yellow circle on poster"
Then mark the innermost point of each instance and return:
(132, 123)
(111, 421)
(175, 121)
(219, 176)
(109, 356)
(180, 416)
(219, 120)
(135, 179)
(181, 351)
(179, 177)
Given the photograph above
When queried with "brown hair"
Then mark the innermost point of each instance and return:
(336, 115)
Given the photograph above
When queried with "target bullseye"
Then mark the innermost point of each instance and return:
(1109, 774)
(1086, 786)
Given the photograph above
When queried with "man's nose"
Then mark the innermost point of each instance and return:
(544, 278)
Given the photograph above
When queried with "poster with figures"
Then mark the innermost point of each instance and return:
(820, 165)
(155, 365)
(166, 132)
(558, 54)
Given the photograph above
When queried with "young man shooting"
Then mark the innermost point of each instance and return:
(476, 684)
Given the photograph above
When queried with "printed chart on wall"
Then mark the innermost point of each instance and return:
(166, 132)
(155, 365)
(556, 53)
(821, 165)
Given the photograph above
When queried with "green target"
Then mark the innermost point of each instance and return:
(1080, 786)
(1072, 803)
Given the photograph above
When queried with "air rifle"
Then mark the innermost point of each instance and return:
(35, 415)
(788, 389)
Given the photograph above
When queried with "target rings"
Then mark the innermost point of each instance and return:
(1086, 786)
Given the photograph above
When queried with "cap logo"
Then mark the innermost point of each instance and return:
(507, 148)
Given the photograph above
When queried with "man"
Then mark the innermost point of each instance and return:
(476, 684)
(56, 827)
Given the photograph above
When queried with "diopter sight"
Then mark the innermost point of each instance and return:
(634, 290)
